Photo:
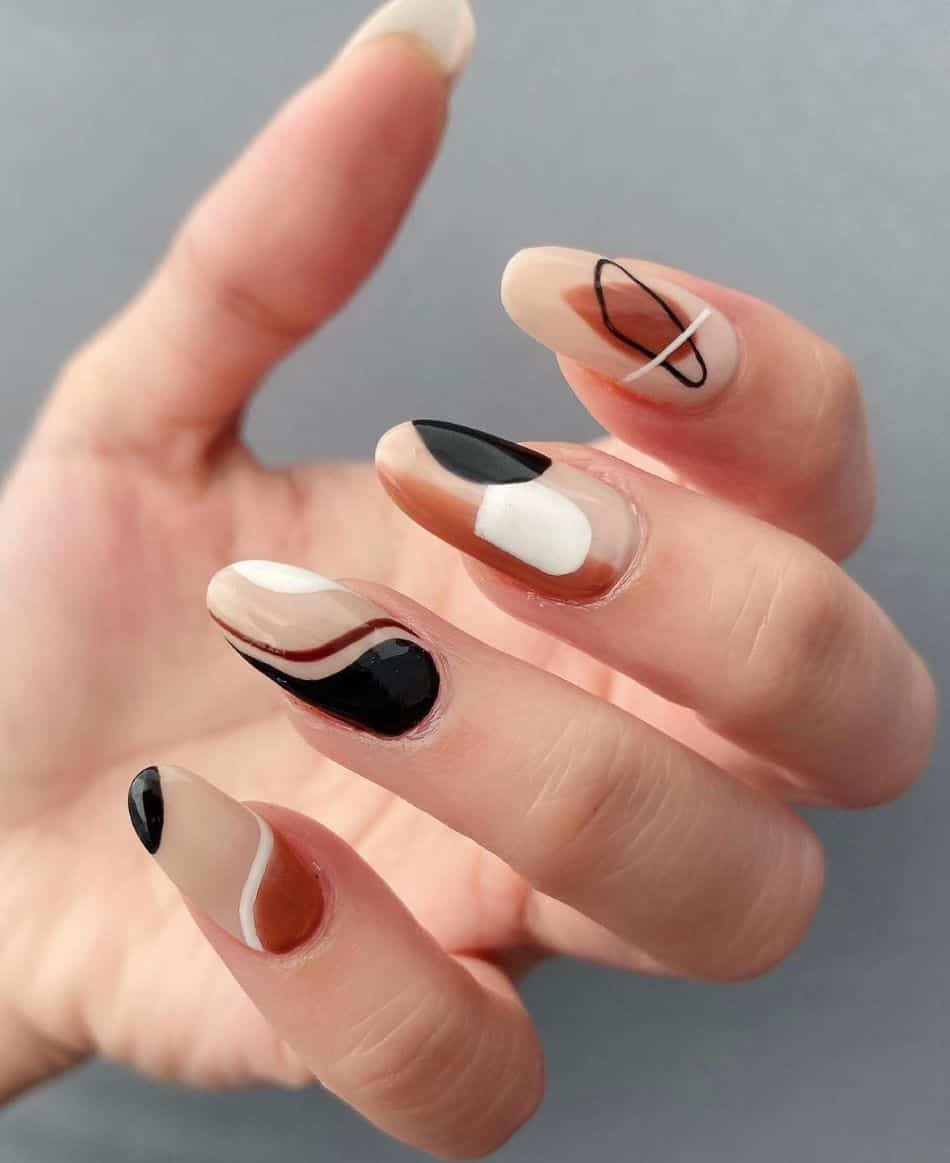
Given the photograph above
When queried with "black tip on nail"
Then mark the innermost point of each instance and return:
(478, 456)
(147, 808)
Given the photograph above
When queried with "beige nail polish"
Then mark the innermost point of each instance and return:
(445, 27)
(226, 860)
(650, 336)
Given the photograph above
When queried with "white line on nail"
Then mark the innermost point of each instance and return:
(670, 348)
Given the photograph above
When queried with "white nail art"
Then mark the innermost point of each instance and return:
(252, 885)
(447, 27)
(283, 579)
(535, 524)
(667, 351)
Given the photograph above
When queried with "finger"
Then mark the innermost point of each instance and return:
(277, 246)
(587, 803)
(435, 1051)
(751, 405)
(27, 1056)
(774, 646)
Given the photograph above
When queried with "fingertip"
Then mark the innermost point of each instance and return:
(444, 29)
(396, 449)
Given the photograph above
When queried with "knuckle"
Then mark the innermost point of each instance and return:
(827, 492)
(910, 744)
(837, 417)
(839, 375)
(446, 1079)
(485, 1121)
(928, 705)
(791, 618)
(577, 805)
(231, 290)
(777, 917)
(397, 1050)
(85, 366)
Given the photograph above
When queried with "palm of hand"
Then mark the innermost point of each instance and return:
(108, 561)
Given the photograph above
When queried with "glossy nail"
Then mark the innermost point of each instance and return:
(648, 335)
(326, 645)
(445, 27)
(226, 860)
(558, 529)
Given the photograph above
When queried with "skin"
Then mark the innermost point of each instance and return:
(135, 487)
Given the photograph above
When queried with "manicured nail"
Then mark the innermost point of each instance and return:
(226, 860)
(325, 645)
(649, 335)
(445, 27)
(556, 528)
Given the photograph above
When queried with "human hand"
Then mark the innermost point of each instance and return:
(718, 666)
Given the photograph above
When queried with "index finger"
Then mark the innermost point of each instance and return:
(276, 246)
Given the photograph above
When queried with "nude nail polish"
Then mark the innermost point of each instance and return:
(226, 860)
(446, 28)
(325, 645)
(650, 336)
(559, 530)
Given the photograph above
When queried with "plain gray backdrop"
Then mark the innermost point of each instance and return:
(795, 149)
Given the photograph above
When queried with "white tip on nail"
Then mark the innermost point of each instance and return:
(446, 27)
(283, 579)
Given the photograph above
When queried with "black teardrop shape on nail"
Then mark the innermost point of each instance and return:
(388, 690)
(478, 456)
(147, 808)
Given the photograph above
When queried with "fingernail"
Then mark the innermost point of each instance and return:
(558, 529)
(648, 335)
(226, 860)
(325, 645)
(445, 27)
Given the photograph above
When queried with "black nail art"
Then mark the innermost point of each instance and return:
(479, 456)
(147, 808)
(616, 332)
(389, 689)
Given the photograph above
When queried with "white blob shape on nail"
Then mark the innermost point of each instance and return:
(252, 886)
(283, 579)
(536, 524)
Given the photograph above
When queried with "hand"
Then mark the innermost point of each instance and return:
(719, 666)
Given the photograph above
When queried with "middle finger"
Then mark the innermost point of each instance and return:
(772, 644)
(589, 804)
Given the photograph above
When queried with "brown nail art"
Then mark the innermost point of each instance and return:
(226, 860)
(560, 530)
(650, 336)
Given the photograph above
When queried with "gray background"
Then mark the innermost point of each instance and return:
(798, 150)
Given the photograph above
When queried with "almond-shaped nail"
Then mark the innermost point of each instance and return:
(326, 645)
(560, 530)
(650, 336)
(446, 28)
(226, 860)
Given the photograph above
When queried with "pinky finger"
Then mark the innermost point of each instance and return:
(434, 1051)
